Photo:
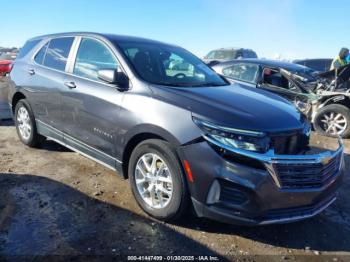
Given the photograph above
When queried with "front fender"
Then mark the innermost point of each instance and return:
(151, 129)
(333, 100)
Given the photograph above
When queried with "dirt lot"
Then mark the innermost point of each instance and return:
(56, 202)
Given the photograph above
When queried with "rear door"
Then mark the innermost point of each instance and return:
(90, 106)
(47, 75)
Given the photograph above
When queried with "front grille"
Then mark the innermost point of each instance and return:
(289, 144)
(297, 175)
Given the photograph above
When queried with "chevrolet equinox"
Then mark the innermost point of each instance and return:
(182, 134)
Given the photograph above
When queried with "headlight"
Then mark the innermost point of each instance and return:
(234, 138)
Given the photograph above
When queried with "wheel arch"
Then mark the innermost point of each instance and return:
(141, 134)
(15, 98)
(338, 99)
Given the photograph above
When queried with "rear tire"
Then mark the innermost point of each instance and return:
(333, 120)
(159, 189)
(25, 125)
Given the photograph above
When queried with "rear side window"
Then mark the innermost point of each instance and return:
(93, 56)
(28, 46)
(39, 57)
(57, 53)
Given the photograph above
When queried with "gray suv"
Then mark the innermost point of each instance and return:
(182, 134)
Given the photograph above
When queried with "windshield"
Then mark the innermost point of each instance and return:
(169, 65)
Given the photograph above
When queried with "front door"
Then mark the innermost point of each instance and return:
(275, 81)
(91, 107)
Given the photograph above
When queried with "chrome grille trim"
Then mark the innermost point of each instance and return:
(270, 159)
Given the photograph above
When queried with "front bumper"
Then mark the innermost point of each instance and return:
(285, 188)
(226, 217)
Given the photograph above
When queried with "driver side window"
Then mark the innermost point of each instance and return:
(93, 56)
(275, 78)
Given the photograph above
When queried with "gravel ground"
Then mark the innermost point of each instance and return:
(58, 203)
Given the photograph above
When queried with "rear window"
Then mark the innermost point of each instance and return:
(28, 46)
(57, 53)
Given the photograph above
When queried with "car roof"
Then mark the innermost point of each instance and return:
(264, 62)
(110, 37)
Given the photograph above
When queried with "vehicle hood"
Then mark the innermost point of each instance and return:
(236, 106)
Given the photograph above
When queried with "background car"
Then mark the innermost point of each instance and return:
(227, 54)
(6, 61)
(324, 100)
(5, 111)
(319, 64)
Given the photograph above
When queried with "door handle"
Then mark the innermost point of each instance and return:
(31, 72)
(70, 85)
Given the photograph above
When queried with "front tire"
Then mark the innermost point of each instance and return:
(333, 120)
(157, 180)
(25, 124)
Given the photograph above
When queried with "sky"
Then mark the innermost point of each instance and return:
(290, 28)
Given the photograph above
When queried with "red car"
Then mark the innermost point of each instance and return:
(6, 61)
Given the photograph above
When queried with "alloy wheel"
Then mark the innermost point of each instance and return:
(24, 123)
(153, 180)
(334, 123)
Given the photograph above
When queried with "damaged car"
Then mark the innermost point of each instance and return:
(183, 139)
(323, 97)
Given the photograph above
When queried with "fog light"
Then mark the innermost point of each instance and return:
(214, 193)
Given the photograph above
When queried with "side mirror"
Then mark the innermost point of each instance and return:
(115, 77)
